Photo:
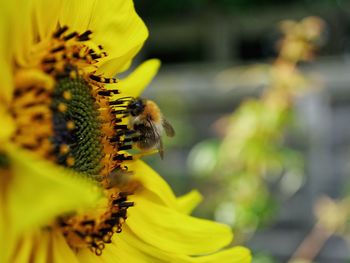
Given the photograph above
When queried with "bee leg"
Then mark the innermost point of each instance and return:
(160, 149)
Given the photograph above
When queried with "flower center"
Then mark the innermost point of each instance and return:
(69, 115)
(77, 127)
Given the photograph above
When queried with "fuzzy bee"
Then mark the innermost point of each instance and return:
(147, 119)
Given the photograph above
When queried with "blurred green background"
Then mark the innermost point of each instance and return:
(215, 56)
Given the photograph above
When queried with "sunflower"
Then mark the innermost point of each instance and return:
(69, 188)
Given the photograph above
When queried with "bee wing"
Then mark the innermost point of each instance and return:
(169, 130)
(156, 137)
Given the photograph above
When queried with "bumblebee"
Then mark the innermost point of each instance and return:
(148, 121)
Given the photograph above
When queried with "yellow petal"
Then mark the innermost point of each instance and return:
(121, 251)
(6, 81)
(148, 250)
(115, 25)
(132, 240)
(188, 202)
(39, 190)
(111, 66)
(23, 251)
(155, 187)
(5, 53)
(118, 251)
(3, 238)
(232, 255)
(86, 256)
(43, 245)
(61, 252)
(137, 81)
(77, 14)
(34, 247)
(7, 125)
(118, 29)
(22, 35)
(7, 238)
(173, 231)
(46, 14)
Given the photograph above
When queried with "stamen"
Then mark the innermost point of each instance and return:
(49, 60)
(99, 232)
(70, 36)
(122, 157)
(57, 49)
(60, 31)
(85, 36)
(108, 93)
(102, 79)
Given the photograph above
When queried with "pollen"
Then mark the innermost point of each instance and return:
(70, 161)
(62, 107)
(70, 125)
(67, 95)
(64, 148)
(73, 74)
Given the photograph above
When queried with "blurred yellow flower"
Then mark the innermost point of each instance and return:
(70, 192)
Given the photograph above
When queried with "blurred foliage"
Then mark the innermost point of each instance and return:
(253, 156)
(254, 148)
